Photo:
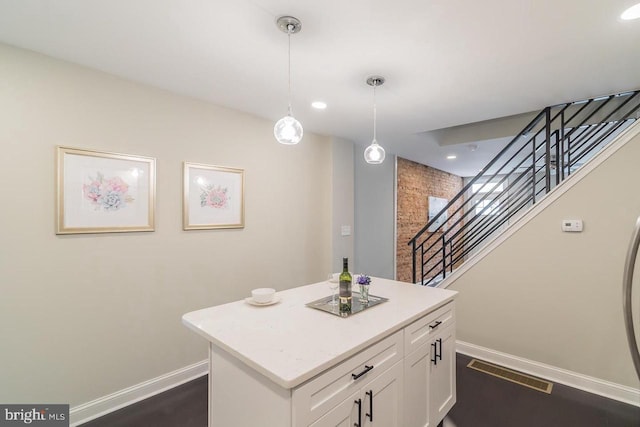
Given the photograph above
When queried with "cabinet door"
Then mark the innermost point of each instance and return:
(442, 393)
(320, 395)
(382, 401)
(380, 404)
(417, 370)
(343, 415)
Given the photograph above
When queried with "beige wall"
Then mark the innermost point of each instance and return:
(555, 297)
(83, 316)
(342, 205)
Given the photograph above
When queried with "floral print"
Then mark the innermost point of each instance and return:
(214, 197)
(107, 194)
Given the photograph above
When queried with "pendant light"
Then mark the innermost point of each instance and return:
(374, 154)
(632, 13)
(288, 130)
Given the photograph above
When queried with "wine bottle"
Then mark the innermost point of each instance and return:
(345, 287)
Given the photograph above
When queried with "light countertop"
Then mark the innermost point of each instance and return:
(290, 343)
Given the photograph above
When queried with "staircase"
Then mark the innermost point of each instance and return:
(559, 140)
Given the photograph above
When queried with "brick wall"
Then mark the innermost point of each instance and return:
(416, 182)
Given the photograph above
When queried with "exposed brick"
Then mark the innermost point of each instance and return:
(416, 183)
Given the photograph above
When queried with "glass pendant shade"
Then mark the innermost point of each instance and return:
(288, 130)
(632, 13)
(374, 154)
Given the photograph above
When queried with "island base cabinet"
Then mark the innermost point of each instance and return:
(430, 380)
(240, 396)
(377, 403)
(377, 368)
(382, 405)
(289, 365)
(416, 380)
(407, 379)
(342, 415)
(442, 381)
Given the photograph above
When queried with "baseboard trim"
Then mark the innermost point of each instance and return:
(572, 379)
(96, 408)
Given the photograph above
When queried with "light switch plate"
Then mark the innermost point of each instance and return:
(345, 230)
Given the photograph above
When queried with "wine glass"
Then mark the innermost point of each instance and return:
(333, 285)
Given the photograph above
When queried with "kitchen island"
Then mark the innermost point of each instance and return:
(287, 364)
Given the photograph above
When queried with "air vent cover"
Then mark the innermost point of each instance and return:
(510, 375)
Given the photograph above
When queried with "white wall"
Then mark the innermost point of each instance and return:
(555, 297)
(375, 216)
(82, 316)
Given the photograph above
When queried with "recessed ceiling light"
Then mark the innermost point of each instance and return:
(632, 13)
(451, 157)
(319, 105)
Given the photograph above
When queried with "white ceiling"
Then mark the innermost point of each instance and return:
(447, 62)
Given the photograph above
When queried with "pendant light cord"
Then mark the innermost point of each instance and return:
(290, 28)
(375, 83)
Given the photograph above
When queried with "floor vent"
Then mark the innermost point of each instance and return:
(510, 375)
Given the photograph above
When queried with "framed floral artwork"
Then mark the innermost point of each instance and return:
(213, 197)
(99, 192)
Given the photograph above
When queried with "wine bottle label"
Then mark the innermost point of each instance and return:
(345, 289)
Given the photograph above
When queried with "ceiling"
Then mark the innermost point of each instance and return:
(446, 62)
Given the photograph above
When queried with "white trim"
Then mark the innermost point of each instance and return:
(586, 383)
(626, 136)
(395, 217)
(103, 405)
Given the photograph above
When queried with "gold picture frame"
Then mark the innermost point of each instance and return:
(102, 192)
(213, 197)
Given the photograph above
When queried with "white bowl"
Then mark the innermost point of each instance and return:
(263, 295)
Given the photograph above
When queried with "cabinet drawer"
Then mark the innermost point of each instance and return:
(423, 329)
(324, 392)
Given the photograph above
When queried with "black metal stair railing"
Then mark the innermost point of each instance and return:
(546, 152)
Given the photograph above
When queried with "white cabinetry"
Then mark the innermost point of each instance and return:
(288, 365)
(430, 368)
(342, 415)
(366, 390)
(442, 384)
(377, 403)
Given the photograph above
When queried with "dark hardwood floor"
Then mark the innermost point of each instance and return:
(487, 401)
(483, 401)
(182, 406)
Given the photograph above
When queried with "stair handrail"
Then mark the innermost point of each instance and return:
(553, 141)
(478, 176)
